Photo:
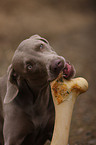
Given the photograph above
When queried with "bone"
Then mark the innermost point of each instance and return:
(64, 102)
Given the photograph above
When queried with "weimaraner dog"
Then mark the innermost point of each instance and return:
(26, 106)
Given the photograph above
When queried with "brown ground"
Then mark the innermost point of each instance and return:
(71, 30)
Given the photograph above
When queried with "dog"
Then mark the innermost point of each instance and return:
(26, 107)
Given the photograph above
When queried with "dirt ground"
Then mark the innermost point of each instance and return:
(70, 28)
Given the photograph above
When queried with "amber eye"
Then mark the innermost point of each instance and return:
(29, 67)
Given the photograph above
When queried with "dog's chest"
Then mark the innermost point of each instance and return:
(39, 118)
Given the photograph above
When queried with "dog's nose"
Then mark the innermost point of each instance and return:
(56, 66)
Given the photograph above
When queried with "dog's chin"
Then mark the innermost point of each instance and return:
(53, 77)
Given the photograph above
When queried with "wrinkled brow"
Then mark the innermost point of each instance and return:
(44, 40)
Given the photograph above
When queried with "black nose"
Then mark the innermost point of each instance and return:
(56, 66)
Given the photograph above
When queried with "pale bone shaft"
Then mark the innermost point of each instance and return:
(64, 112)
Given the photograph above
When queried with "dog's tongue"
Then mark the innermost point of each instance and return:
(68, 71)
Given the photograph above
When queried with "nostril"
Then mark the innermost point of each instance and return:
(60, 63)
(55, 68)
(57, 62)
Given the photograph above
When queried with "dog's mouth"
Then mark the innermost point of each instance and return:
(68, 71)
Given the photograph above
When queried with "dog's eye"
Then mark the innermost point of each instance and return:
(41, 47)
(29, 67)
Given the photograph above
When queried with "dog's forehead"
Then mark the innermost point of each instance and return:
(37, 37)
(32, 41)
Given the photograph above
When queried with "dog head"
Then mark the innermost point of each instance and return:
(36, 63)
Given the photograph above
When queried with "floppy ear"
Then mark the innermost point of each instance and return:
(12, 88)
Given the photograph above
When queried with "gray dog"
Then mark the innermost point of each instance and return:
(26, 106)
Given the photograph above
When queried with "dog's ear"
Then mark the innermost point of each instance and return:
(12, 85)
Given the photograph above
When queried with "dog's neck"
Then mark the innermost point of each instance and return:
(37, 86)
(33, 95)
(35, 99)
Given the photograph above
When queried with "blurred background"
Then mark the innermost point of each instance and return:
(70, 27)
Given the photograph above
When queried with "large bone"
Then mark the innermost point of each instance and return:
(64, 93)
